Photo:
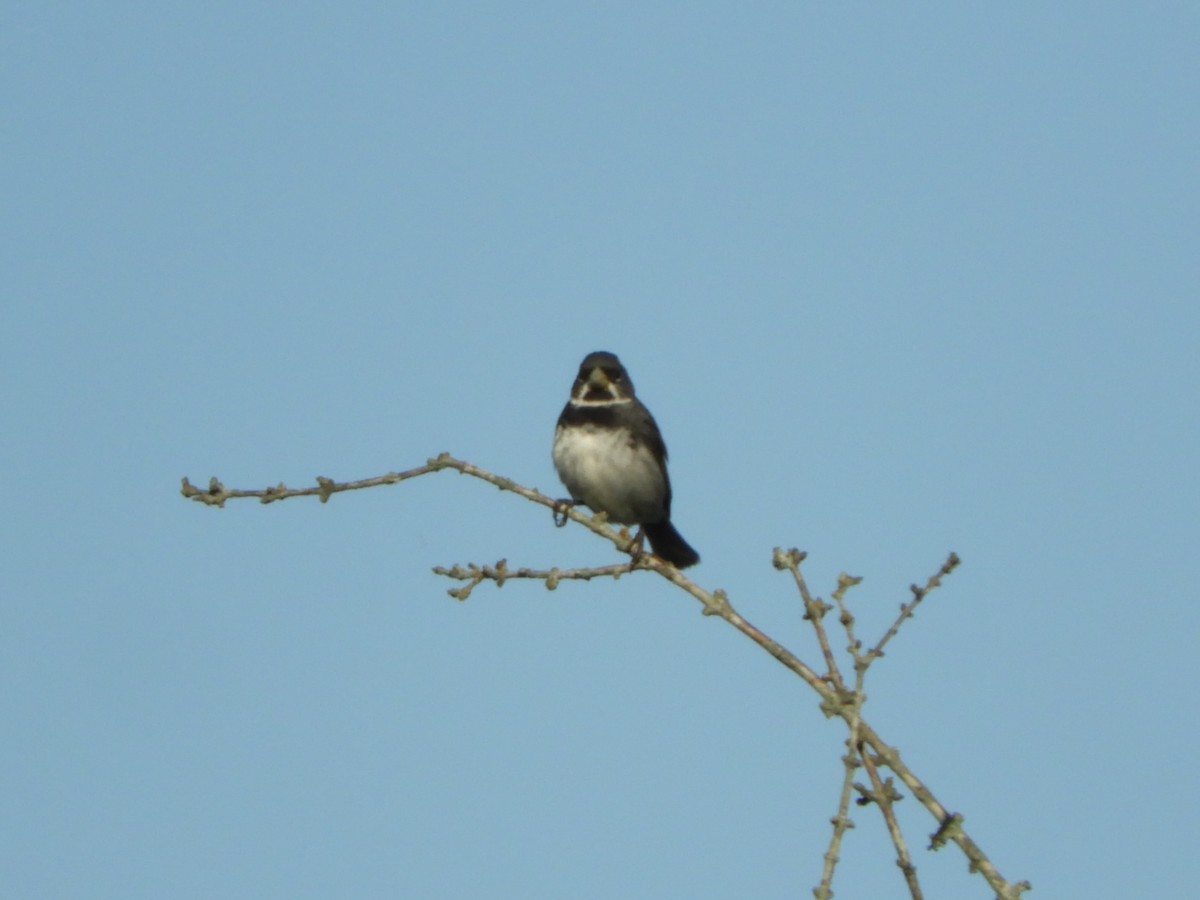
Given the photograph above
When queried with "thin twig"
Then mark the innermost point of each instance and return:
(500, 573)
(949, 825)
(907, 609)
(814, 610)
(842, 821)
(846, 619)
(835, 701)
(884, 794)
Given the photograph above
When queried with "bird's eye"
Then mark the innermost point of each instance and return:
(613, 374)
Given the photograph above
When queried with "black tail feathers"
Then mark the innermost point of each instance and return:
(669, 544)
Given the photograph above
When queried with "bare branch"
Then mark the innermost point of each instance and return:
(950, 825)
(907, 609)
(500, 573)
(217, 493)
(836, 699)
(814, 610)
(842, 821)
(854, 647)
(884, 794)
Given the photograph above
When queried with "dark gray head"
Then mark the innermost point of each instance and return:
(602, 379)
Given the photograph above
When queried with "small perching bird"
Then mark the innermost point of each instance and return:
(610, 455)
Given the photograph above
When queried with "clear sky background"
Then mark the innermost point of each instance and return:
(894, 281)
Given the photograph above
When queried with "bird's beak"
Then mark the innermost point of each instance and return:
(597, 378)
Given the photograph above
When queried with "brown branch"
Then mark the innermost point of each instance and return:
(500, 573)
(814, 610)
(835, 698)
(854, 647)
(842, 821)
(217, 493)
(884, 795)
(907, 609)
(949, 825)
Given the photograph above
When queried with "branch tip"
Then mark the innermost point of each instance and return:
(787, 559)
(837, 699)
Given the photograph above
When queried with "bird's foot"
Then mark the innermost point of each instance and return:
(560, 511)
(637, 546)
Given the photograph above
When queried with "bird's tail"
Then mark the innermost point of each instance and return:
(669, 544)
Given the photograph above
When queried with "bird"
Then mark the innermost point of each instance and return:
(610, 456)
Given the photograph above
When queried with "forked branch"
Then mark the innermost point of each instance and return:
(865, 747)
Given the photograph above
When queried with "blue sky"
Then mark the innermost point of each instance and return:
(894, 281)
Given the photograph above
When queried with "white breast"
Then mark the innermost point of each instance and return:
(602, 468)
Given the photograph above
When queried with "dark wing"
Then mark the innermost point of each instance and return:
(645, 431)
